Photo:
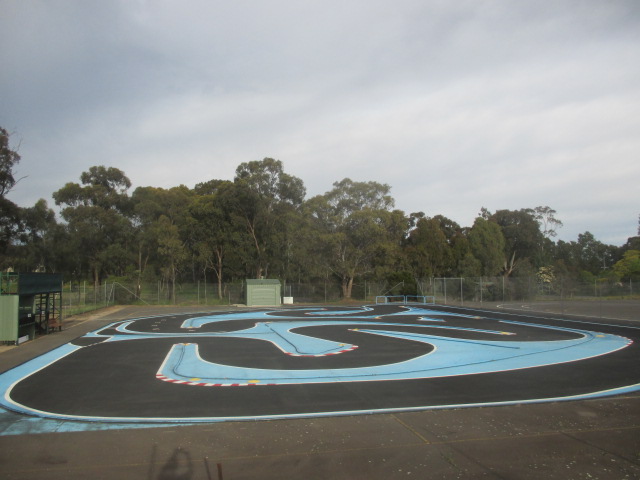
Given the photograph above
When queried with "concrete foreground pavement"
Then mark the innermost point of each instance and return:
(596, 439)
(593, 439)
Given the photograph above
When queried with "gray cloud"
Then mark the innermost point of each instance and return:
(456, 105)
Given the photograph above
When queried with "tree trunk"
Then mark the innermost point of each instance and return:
(173, 284)
(219, 273)
(96, 276)
(347, 286)
(510, 265)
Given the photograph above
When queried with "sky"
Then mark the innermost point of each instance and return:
(457, 105)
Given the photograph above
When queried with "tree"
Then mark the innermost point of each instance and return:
(546, 217)
(548, 222)
(98, 219)
(9, 223)
(9, 211)
(8, 160)
(629, 267)
(587, 256)
(428, 250)
(487, 245)
(37, 240)
(464, 263)
(171, 249)
(163, 230)
(450, 228)
(265, 195)
(351, 224)
(213, 230)
(593, 255)
(522, 236)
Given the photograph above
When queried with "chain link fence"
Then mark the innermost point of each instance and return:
(489, 291)
(525, 289)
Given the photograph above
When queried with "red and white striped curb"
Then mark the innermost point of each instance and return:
(159, 376)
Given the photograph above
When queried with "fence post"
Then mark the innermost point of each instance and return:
(445, 289)
(325, 290)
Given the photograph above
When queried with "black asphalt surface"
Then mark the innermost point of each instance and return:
(117, 379)
(597, 438)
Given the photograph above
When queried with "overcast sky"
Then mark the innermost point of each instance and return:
(457, 105)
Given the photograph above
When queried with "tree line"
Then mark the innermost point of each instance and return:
(260, 224)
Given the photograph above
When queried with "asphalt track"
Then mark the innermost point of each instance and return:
(593, 437)
(315, 361)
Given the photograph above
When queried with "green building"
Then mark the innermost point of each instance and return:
(30, 304)
(262, 292)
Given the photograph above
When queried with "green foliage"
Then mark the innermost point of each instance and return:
(402, 283)
(523, 239)
(10, 225)
(354, 228)
(9, 159)
(260, 224)
(546, 217)
(265, 199)
(97, 218)
(487, 245)
(628, 268)
(428, 250)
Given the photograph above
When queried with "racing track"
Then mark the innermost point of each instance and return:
(314, 361)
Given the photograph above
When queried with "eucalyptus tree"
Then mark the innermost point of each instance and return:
(9, 159)
(428, 249)
(265, 199)
(487, 245)
(213, 231)
(37, 242)
(163, 231)
(350, 226)
(9, 211)
(98, 215)
(522, 236)
(591, 255)
(546, 217)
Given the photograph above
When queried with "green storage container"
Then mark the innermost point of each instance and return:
(262, 292)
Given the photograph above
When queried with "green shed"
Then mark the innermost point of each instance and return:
(262, 292)
(30, 304)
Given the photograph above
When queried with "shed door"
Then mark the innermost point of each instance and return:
(263, 295)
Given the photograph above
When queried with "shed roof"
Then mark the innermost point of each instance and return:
(263, 281)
